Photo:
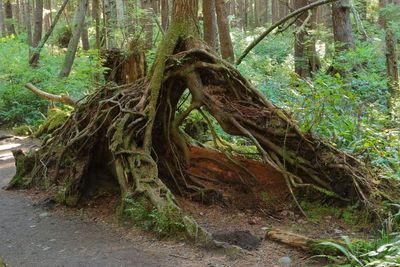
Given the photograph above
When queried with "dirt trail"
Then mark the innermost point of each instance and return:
(34, 235)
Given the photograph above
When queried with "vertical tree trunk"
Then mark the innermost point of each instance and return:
(242, 15)
(275, 11)
(165, 14)
(210, 24)
(304, 45)
(38, 23)
(391, 67)
(342, 29)
(9, 16)
(96, 17)
(28, 22)
(2, 20)
(73, 44)
(120, 15)
(85, 37)
(33, 60)
(148, 23)
(223, 29)
(47, 16)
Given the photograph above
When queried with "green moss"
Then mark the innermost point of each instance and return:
(23, 130)
(55, 119)
(167, 222)
(351, 215)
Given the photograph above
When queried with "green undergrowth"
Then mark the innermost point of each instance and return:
(167, 223)
(351, 215)
(18, 105)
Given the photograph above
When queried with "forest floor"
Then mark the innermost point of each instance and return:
(36, 232)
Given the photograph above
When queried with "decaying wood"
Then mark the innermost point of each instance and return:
(65, 99)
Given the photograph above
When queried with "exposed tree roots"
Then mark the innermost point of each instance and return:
(113, 123)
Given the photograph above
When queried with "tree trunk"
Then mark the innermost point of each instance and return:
(47, 16)
(10, 19)
(28, 21)
(79, 22)
(165, 14)
(85, 37)
(37, 35)
(392, 70)
(148, 23)
(275, 11)
(34, 58)
(223, 29)
(210, 24)
(96, 17)
(342, 29)
(2, 20)
(305, 56)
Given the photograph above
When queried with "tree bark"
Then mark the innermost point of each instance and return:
(342, 29)
(73, 44)
(275, 11)
(85, 37)
(10, 19)
(148, 23)
(28, 22)
(37, 35)
(305, 56)
(165, 14)
(47, 17)
(34, 59)
(2, 20)
(392, 70)
(96, 17)
(224, 34)
(210, 24)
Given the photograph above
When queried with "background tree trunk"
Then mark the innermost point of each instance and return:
(342, 29)
(48, 16)
(2, 20)
(28, 22)
(210, 24)
(85, 37)
(96, 17)
(37, 35)
(391, 66)
(73, 44)
(10, 19)
(165, 14)
(223, 30)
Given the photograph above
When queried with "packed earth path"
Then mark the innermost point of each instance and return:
(36, 232)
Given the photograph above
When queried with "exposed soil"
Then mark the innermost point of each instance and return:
(35, 231)
(243, 239)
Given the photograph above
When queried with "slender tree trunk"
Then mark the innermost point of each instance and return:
(223, 29)
(2, 20)
(275, 11)
(28, 21)
(120, 15)
(165, 14)
(34, 59)
(10, 19)
(47, 16)
(342, 29)
(391, 66)
(148, 23)
(73, 44)
(85, 37)
(210, 24)
(96, 17)
(38, 23)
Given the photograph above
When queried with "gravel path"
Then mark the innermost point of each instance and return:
(33, 236)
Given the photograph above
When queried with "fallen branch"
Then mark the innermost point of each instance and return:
(55, 98)
(278, 24)
(300, 242)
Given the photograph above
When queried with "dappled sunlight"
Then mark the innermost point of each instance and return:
(9, 146)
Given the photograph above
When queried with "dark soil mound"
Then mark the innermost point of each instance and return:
(243, 239)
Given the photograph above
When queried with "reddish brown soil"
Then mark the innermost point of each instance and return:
(268, 192)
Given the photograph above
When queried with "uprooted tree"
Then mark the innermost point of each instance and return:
(131, 133)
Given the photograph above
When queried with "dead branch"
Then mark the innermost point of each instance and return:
(278, 24)
(67, 100)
